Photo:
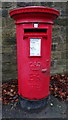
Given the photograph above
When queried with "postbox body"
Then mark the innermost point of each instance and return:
(34, 38)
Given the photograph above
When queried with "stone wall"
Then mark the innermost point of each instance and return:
(58, 54)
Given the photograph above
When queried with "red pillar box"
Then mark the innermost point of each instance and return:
(34, 37)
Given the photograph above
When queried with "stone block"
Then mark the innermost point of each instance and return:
(56, 55)
(8, 76)
(6, 5)
(54, 46)
(59, 33)
(0, 13)
(0, 4)
(53, 63)
(10, 49)
(64, 55)
(9, 66)
(0, 49)
(58, 69)
(0, 36)
(8, 23)
(7, 58)
(4, 13)
(8, 36)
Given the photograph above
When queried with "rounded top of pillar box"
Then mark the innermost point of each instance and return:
(34, 14)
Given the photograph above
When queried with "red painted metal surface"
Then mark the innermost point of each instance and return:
(34, 49)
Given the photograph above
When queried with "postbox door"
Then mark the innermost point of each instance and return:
(36, 67)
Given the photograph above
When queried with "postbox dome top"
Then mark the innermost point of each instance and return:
(35, 11)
